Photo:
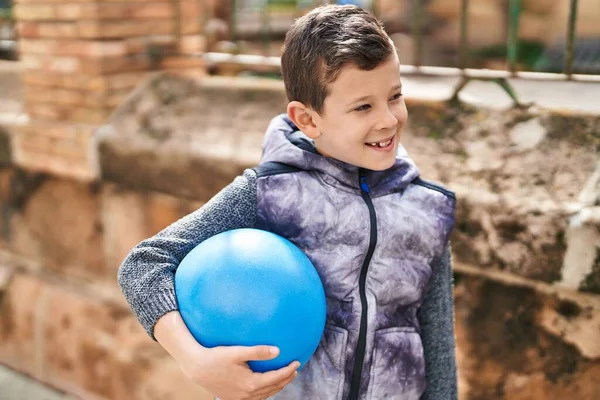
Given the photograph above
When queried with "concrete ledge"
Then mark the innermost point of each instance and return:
(518, 173)
(185, 137)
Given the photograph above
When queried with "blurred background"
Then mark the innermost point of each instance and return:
(119, 117)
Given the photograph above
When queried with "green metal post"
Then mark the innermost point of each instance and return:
(513, 34)
(266, 28)
(417, 17)
(234, 21)
(203, 18)
(569, 50)
(464, 46)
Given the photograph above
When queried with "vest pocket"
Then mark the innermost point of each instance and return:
(322, 378)
(398, 366)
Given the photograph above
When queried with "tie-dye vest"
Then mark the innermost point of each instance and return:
(372, 237)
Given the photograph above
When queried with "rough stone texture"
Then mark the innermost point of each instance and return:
(511, 345)
(515, 202)
(76, 230)
(90, 348)
(6, 175)
(57, 222)
(16, 386)
(5, 151)
(18, 313)
(513, 214)
(130, 216)
(154, 141)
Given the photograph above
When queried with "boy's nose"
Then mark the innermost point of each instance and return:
(387, 120)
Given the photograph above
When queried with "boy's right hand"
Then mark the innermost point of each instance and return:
(223, 371)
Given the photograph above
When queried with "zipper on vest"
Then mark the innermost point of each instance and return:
(359, 354)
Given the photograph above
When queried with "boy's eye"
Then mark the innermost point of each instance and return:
(396, 96)
(364, 107)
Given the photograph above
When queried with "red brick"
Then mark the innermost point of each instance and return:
(190, 25)
(190, 44)
(58, 30)
(102, 83)
(75, 97)
(27, 29)
(47, 112)
(40, 78)
(153, 11)
(107, 83)
(108, 65)
(56, 164)
(54, 145)
(116, 82)
(53, 112)
(137, 45)
(90, 115)
(34, 12)
(123, 29)
(191, 9)
(54, 96)
(71, 12)
(47, 30)
(86, 65)
(183, 62)
(67, 131)
(98, 48)
(40, 2)
(72, 47)
(51, 63)
(121, 11)
(194, 73)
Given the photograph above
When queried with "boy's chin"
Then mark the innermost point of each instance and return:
(379, 165)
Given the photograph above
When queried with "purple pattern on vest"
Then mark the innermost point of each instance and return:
(321, 210)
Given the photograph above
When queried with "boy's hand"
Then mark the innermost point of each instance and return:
(223, 371)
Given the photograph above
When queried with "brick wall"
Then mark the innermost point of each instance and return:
(81, 59)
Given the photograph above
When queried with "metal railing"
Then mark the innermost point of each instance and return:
(254, 20)
(462, 70)
(7, 32)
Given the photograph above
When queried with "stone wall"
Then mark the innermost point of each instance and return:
(62, 319)
(525, 244)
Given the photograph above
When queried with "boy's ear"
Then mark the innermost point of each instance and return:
(303, 117)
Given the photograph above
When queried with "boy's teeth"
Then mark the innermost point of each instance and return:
(380, 144)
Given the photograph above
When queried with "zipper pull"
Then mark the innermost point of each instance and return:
(363, 183)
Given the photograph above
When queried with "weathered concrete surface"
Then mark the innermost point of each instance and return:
(518, 173)
(515, 342)
(63, 319)
(154, 141)
(17, 386)
(71, 336)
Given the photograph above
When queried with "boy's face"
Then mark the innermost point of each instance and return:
(363, 117)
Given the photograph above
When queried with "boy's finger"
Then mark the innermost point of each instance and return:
(276, 388)
(271, 378)
(255, 353)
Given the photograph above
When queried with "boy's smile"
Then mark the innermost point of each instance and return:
(363, 116)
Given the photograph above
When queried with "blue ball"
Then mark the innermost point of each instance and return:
(249, 287)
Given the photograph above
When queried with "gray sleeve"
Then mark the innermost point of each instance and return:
(436, 317)
(146, 276)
